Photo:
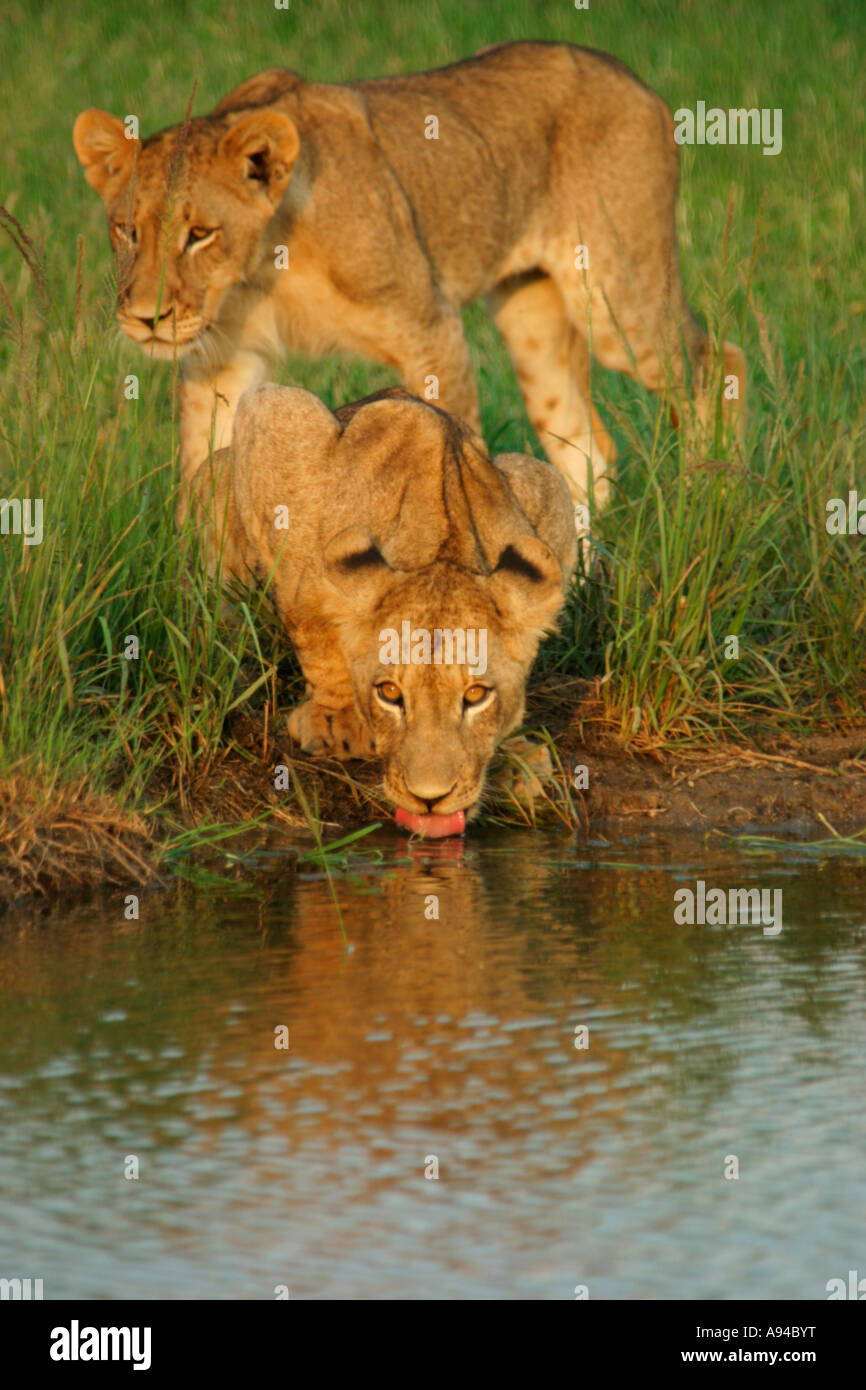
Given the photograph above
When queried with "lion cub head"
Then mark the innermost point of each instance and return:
(186, 212)
(417, 577)
(438, 663)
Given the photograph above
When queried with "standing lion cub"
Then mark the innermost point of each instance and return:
(416, 580)
(363, 217)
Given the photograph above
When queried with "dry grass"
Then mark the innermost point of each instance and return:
(57, 838)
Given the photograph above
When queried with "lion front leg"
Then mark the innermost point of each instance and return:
(523, 769)
(435, 364)
(208, 404)
(327, 721)
(320, 728)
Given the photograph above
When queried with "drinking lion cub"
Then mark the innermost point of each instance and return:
(362, 217)
(416, 579)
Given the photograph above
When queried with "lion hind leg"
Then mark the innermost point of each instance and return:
(552, 361)
(637, 321)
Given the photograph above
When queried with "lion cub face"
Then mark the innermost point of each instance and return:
(439, 671)
(436, 727)
(187, 210)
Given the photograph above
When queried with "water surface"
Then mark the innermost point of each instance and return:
(450, 1038)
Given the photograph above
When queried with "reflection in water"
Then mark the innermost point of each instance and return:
(449, 1036)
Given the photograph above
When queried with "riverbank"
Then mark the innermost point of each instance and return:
(67, 840)
(710, 664)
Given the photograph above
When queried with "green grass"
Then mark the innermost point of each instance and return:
(832, 846)
(688, 554)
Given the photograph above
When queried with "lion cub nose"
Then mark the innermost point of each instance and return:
(430, 797)
(150, 319)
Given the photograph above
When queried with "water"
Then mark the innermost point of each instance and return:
(450, 1038)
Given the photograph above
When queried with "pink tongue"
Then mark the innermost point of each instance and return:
(434, 827)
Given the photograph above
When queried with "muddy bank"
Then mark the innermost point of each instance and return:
(785, 782)
(771, 779)
(65, 840)
(800, 785)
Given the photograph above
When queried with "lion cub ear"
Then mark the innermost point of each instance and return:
(527, 583)
(354, 564)
(263, 147)
(104, 152)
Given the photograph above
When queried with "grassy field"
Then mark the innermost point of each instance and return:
(688, 554)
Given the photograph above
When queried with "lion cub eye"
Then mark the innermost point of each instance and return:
(390, 693)
(124, 232)
(197, 234)
(476, 694)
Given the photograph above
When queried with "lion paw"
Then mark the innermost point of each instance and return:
(524, 769)
(321, 730)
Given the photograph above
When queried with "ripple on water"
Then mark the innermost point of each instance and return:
(455, 1048)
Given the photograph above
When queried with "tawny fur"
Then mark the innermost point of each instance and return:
(542, 148)
(396, 514)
